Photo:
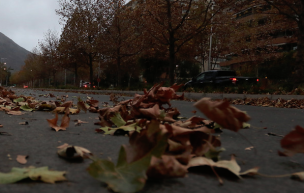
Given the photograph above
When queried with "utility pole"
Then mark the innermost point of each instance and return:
(1, 70)
(210, 47)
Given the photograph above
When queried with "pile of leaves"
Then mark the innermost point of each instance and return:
(266, 102)
(161, 144)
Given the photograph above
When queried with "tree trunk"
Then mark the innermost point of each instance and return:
(171, 58)
(76, 75)
(118, 71)
(299, 71)
(91, 69)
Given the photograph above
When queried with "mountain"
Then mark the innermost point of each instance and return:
(11, 53)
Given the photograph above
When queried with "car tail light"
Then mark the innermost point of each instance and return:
(233, 79)
(85, 86)
(258, 80)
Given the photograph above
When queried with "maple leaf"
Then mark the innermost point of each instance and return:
(129, 174)
(26, 108)
(81, 105)
(153, 112)
(222, 113)
(21, 99)
(229, 165)
(166, 166)
(64, 122)
(93, 103)
(117, 119)
(293, 142)
(126, 128)
(67, 104)
(74, 111)
(42, 174)
(73, 152)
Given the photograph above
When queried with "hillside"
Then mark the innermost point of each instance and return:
(14, 54)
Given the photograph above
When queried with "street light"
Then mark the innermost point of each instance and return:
(1, 59)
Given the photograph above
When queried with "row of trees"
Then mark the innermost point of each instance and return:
(116, 42)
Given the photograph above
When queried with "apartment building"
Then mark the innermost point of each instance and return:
(257, 35)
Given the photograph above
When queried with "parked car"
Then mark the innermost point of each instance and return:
(84, 84)
(219, 77)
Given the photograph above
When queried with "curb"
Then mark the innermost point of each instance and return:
(190, 95)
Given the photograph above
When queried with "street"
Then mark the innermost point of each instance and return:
(39, 142)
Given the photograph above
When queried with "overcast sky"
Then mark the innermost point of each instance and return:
(26, 21)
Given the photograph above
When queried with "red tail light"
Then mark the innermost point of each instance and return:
(85, 86)
(233, 79)
(258, 80)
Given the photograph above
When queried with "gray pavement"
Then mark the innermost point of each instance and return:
(39, 142)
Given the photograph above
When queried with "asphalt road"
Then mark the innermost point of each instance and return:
(39, 142)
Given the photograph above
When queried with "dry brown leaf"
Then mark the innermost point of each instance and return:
(293, 142)
(79, 122)
(15, 113)
(22, 159)
(153, 112)
(73, 152)
(63, 146)
(67, 104)
(74, 111)
(230, 165)
(166, 166)
(249, 148)
(64, 122)
(59, 110)
(82, 106)
(298, 176)
(23, 123)
(222, 113)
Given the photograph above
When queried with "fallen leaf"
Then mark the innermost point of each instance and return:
(230, 165)
(298, 176)
(249, 148)
(79, 122)
(21, 99)
(26, 108)
(166, 167)
(73, 152)
(222, 113)
(74, 111)
(118, 120)
(81, 105)
(293, 142)
(64, 122)
(15, 113)
(22, 159)
(129, 174)
(59, 110)
(46, 106)
(67, 104)
(42, 174)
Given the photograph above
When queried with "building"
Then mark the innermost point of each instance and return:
(257, 35)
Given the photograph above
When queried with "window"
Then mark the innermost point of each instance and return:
(200, 77)
(209, 75)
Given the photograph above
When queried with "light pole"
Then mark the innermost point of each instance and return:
(210, 46)
(1, 59)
